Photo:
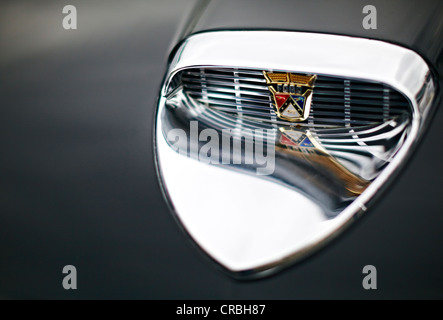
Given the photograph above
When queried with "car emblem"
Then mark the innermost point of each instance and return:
(296, 139)
(291, 94)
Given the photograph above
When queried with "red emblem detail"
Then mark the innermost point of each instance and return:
(280, 99)
(286, 141)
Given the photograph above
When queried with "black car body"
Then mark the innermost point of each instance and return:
(79, 183)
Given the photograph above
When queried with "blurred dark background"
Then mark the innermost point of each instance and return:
(78, 183)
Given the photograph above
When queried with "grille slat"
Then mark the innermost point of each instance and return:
(256, 102)
(210, 82)
(260, 93)
(234, 104)
(336, 101)
(196, 75)
(245, 112)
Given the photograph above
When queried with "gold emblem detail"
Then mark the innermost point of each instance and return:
(291, 94)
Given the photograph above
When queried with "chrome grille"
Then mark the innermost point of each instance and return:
(336, 101)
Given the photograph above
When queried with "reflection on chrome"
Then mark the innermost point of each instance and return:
(264, 176)
(331, 165)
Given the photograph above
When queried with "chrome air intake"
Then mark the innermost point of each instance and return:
(337, 117)
(336, 101)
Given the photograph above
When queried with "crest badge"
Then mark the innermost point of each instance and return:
(291, 94)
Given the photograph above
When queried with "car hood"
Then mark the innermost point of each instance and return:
(412, 24)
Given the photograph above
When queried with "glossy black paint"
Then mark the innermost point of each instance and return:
(78, 183)
(413, 24)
